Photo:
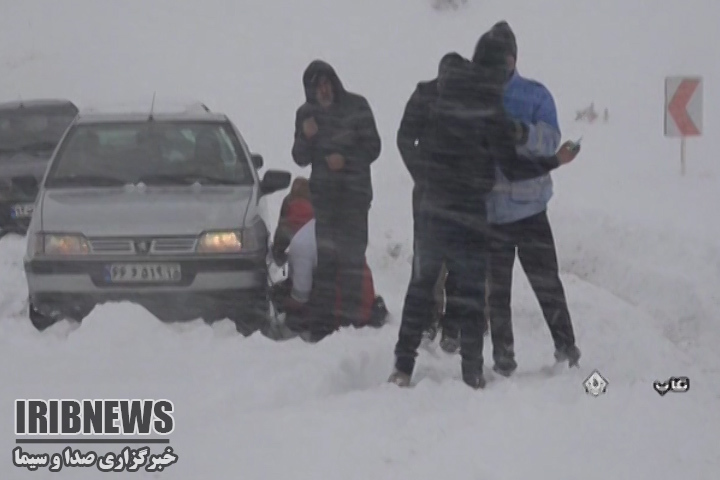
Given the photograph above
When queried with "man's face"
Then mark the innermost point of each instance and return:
(510, 63)
(324, 92)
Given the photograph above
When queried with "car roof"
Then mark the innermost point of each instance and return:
(36, 103)
(132, 113)
(95, 118)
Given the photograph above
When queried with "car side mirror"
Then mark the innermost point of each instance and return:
(274, 180)
(26, 183)
(257, 161)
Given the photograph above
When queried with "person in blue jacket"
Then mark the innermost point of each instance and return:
(517, 213)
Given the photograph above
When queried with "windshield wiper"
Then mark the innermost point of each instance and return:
(85, 181)
(184, 179)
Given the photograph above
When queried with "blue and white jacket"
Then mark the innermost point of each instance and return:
(530, 102)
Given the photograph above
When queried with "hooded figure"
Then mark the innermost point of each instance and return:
(336, 134)
(517, 211)
(467, 134)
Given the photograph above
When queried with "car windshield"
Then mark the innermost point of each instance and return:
(33, 129)
(151, 152)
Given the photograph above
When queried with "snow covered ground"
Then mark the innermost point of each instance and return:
(638, 246)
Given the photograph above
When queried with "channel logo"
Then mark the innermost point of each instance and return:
(72, 421)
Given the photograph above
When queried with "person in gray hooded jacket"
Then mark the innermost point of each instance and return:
(336, 134)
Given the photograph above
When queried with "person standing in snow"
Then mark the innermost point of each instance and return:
(336, 134)
(517, 212)
(464, 132)
(414, 122)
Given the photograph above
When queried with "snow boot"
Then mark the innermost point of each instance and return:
(568, 354)
(449, 343)
(474, 379)
(504, 358)
(505, 366)
(429, 335)
(399, 378)
(477, 382)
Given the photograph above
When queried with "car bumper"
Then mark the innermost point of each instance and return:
(87, 277)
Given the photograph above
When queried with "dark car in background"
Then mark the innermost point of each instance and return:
(29, 132)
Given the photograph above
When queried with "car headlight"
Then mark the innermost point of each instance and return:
(220, 242)
(231, 241)
(61, 244)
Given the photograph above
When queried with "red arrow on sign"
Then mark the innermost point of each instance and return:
(678, 107)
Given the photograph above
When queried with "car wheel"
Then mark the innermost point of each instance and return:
(249, 317)
(74, 312)
(40, 321)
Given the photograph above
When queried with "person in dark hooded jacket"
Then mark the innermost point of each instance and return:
(460, 133)
(336, 134)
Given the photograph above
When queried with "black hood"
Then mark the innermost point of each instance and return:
(492, 49)
(449, 60)
(312, 74)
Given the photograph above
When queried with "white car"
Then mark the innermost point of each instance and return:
(166, 210)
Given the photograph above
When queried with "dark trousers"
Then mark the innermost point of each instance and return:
(533, 240)
(450, 321)
(463, 248)
(342, 238)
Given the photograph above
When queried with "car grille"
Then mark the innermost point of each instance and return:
(126, 246)
(102, 246)
(173, 245)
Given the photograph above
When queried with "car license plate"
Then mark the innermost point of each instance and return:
(22, 210)
(143, 273)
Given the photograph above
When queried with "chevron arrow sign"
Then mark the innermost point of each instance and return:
(683, 106)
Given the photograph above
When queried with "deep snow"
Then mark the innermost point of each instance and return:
(637, 244)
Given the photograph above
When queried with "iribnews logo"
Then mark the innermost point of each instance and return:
(76, 420)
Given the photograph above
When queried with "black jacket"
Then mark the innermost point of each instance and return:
(459, 179)
(347, 127)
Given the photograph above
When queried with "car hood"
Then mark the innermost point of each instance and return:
(149, 211)
(22, 164)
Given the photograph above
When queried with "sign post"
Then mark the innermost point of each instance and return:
(683, 110)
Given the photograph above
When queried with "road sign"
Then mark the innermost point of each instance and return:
(683, 106)
(683, 110)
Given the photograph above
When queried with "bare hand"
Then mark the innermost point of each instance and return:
(310, 127)
(335, 161)
(567, 153)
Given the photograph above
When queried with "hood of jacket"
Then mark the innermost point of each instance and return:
(312, 74)
(491, 52)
